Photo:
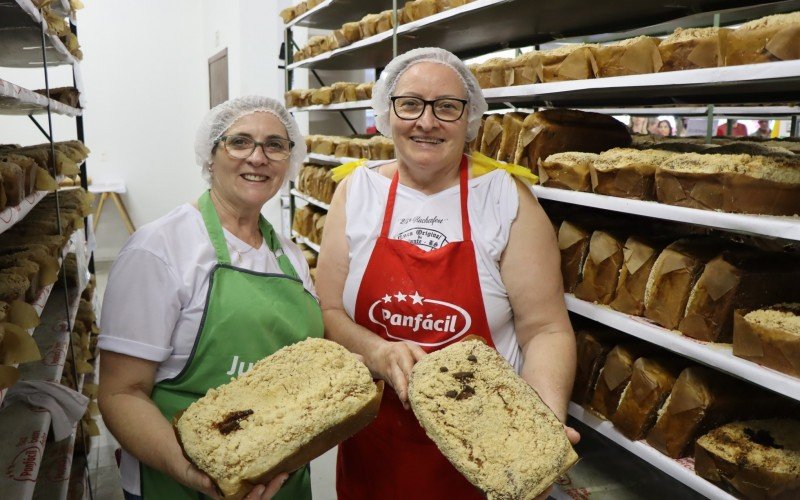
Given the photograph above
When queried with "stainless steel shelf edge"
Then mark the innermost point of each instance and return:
(16, 100)
(719, 356)
(302, 239)
(339, 106)
(310, 199)
(759, 225)
(682, 470)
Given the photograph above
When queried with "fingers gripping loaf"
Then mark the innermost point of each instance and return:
(290, 408)
(488, 422)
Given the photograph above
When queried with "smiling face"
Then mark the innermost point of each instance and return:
(428, 142)
(247, 184)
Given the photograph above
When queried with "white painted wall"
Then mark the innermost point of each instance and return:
(145, 72)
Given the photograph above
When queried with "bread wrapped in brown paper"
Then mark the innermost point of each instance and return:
(737, 280)
(701, 400)
(557, 130)
(369, 25)
(616, 374)
(754, 458)
(634, 56)
(627, 173)
(492, 134)
(693, 48)
(771, 38)
(569, 170)
(639, 255)
(601, 268)
(525, 69)
(673, 276)
(344, 92)
(573, 243)
(732, 183)
(13, 183)
(492, 73)
(364, 91)
(570, 62)
(419, 9)
(650, 384)
(512, 125)
(322, 95)
(592, 346)
(769, 336)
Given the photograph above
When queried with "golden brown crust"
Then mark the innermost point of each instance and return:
(318, 445)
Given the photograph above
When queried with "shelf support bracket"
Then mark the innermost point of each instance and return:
(39, 126)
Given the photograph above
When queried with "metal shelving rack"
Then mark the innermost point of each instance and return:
(484, 26)
(26, 43)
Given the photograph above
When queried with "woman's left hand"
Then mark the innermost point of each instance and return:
(267, 491)
(573, 435)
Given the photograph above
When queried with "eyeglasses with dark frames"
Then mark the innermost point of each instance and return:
(446, 109)
(241, 147)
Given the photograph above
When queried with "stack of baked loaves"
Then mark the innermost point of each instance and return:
(374, 148)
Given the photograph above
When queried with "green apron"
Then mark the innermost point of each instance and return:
(247, 317)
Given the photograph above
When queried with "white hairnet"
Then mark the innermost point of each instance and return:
(222, 116)
(384, 87)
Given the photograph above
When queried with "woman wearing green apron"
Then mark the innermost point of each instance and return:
(198, 296)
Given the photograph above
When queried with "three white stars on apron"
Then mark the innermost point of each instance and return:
(416, 298)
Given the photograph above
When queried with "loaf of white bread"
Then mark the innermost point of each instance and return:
(288, 409)
(752, 459)
(488, 422)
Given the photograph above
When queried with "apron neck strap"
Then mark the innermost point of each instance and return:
(217, 236)
(464, 190)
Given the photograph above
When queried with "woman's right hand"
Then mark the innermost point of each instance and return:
(195, 478)
(393, 362)
(189, 475)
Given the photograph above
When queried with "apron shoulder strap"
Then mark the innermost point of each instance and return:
(214, 228)
(274, 245)
(217, 236)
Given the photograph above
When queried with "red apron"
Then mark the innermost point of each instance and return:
(432, 299)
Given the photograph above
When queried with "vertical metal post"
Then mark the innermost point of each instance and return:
(729, 127)
(394, 28)
(793, 127)
(709, 123)
(288, 57)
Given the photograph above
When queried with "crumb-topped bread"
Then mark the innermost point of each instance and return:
(755, 458)
(291, 407)
(488, 422)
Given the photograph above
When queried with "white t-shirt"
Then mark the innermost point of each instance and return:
(432, 221)
(156, 294)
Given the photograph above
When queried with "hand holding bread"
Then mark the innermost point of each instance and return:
(393, 362)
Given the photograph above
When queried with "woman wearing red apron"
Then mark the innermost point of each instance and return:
(417, 254)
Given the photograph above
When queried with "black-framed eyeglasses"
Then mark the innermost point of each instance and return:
(446, 109)
(241, 147)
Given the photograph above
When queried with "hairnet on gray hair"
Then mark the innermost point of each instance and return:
(222, 116)
(384, 87)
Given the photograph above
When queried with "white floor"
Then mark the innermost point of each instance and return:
(104, 474)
